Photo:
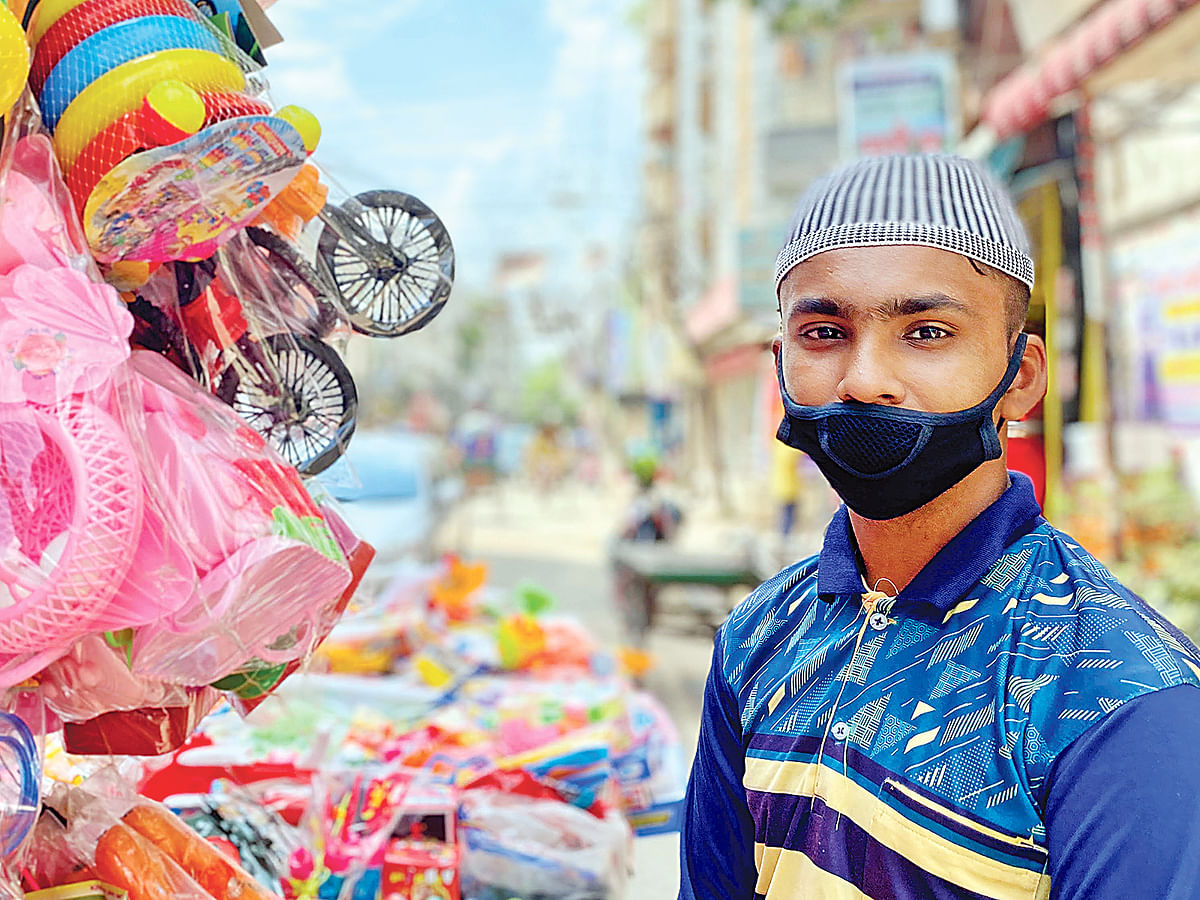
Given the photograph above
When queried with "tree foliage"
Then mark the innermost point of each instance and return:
(799, 16)
(547, 396)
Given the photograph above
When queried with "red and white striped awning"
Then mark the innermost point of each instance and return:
(1023, 99)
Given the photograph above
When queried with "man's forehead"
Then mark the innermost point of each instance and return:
(891, 276)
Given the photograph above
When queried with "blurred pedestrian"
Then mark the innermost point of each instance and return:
(785, 486)
(953, 699)
(545, 458)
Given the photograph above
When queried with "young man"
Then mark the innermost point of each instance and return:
(952, 699)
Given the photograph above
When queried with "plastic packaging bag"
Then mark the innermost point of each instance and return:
(530, 846)
(127, 860)
(216, 873)
(70, 489)
(267, 561)
(93, 677)
(255, 324)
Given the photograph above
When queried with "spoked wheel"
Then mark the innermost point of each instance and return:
(391, 259)
(315, 291)
(299, 395)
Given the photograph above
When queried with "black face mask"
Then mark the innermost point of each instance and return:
(885, 461)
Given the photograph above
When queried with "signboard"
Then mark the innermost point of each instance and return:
(185, 200)
(1150, 172)
(1156, 279)
(897, 104)
(757, 249)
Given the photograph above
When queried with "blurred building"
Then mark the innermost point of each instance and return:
(1090, 110)
(740, 117)
(1087, 110)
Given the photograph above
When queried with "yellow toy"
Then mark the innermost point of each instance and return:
(14, 59)
(124, 89)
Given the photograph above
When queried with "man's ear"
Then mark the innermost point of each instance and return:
(1029, 387)
(776, 348)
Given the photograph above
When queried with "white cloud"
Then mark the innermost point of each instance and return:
(549, 167)
(312, 79)
(597, 45)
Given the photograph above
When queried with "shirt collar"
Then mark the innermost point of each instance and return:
(954, 569)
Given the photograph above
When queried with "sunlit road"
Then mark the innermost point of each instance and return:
(559, 543)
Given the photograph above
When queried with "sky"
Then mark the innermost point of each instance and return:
(517, 121)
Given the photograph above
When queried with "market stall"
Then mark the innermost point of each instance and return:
(186, 709)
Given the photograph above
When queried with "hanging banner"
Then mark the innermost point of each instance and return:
(1156, 281)
(897, 104)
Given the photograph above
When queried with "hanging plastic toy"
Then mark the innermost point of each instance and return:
(14, 59)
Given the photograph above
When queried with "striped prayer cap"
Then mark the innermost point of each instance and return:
(935, 200)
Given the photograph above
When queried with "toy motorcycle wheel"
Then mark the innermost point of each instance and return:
(297, 393)
(391, 259)
(316, 291)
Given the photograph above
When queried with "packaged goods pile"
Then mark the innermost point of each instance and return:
(469, 764)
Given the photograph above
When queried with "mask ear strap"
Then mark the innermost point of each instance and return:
(1014, 366)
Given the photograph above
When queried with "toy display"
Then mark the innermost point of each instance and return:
(489, 781)
(178, 278)
(169, 150)
(157, 556)
(495, 783)
(110, 458)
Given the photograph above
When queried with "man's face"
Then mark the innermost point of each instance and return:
(908, 326)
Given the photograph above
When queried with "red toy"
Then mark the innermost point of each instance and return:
(424, 865)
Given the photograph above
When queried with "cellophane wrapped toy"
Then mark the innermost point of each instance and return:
(71, 496)
(166, 148)
(151, 544)
(522, 844)
(175, 157)
(100, 829)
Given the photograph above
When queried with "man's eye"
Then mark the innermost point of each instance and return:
(822, 333)
(928, 333)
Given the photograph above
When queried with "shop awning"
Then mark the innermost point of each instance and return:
(1024, 98)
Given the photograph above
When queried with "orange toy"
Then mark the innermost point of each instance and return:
(223, 878)
(298, 203)
(454, 593)
(128, 861)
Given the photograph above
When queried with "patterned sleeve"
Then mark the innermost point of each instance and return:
(717, 841)
(1123, 803)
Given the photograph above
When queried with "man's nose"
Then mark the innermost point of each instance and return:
(870, 376)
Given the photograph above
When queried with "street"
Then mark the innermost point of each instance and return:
(559, 543)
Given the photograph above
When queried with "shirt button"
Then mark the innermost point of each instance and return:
(878, 621)
(841, 731)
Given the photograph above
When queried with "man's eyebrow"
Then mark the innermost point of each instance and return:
(900, 306)
(815, 306)
(923, 303)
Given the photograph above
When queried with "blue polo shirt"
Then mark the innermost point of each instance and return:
(1014, 724)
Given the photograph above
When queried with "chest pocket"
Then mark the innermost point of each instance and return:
(915, 840)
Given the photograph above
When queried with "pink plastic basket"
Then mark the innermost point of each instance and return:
(67, 476)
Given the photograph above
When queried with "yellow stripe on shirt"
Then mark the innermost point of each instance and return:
(790, 870)
(930, 851)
